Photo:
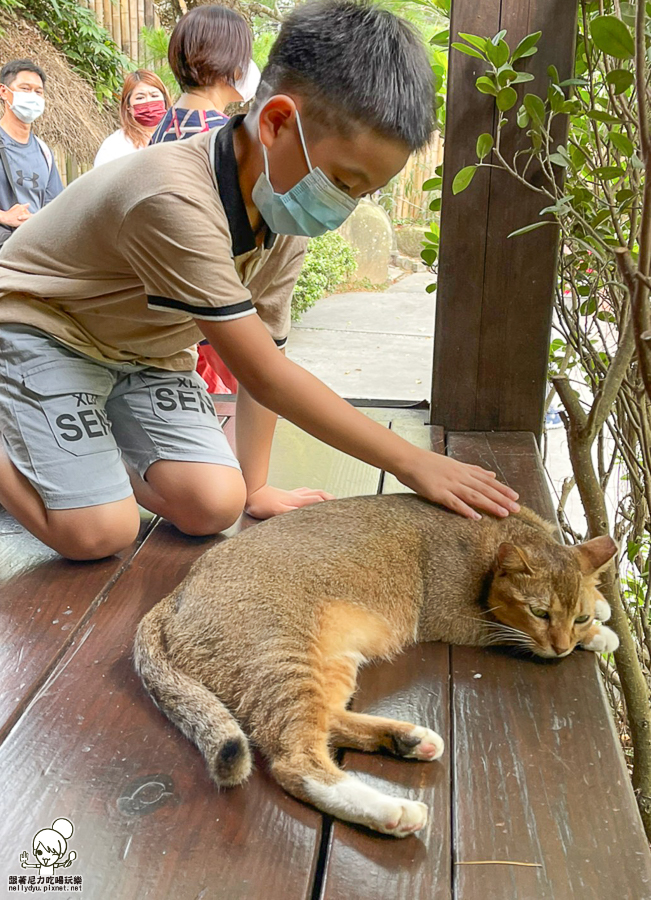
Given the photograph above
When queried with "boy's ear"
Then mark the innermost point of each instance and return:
(277, 113)
(594, 555)
(512, 560)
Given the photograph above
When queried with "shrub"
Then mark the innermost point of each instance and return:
(329, 261)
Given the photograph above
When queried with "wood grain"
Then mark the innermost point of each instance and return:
(494, 297)
(413, 688)
(538, 772)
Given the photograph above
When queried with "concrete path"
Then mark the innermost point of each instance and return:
(381, 346)
(371, 345)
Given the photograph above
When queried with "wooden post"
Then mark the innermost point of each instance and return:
(495, 295)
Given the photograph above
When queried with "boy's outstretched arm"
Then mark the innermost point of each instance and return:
(289, 390)
(254, 431)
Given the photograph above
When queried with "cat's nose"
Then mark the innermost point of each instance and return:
(561, 648)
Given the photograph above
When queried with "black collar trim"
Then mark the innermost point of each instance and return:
(228, 184)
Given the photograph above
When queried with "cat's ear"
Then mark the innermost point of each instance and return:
(595, 554)
(512, 560)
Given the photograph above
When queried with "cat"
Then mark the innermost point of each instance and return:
(266, 633)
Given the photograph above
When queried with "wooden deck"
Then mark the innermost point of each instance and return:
(532, 773)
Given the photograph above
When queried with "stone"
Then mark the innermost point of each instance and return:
(410, 239)
(370, 233)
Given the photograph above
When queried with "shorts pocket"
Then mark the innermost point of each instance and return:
(72, 396)
(180, 399)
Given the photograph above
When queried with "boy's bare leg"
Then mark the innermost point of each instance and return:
(199, 498)
(86, 533)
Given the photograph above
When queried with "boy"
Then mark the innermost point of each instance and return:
(103, 293)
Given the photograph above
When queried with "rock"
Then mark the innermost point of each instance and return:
(370, 233)
(410, 239)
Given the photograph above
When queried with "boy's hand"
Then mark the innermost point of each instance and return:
(268, 501)
(458, 486)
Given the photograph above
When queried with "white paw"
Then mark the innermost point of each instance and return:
(354, 801)
(605, 641)
(402, 817)
(602, 610)
(430, 745)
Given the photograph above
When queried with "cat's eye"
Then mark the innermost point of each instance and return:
(581, 620)
(539, 612)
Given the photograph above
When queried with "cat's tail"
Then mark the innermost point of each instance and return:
(199, 714)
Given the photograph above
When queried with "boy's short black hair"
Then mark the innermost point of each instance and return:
(354, 62)
(11, 69)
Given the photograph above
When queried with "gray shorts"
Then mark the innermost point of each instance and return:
(67, 420)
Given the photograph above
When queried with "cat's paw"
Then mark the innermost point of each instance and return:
(420, 743)
(402, 817)
(602, 610)
(604, 641)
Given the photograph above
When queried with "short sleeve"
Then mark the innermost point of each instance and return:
(180, 249)
(271, 287)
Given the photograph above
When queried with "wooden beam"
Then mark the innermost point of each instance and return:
(494, 301)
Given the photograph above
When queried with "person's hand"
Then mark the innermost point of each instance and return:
(15, 216)
(458, 486)
(23, 859)
(269, 501)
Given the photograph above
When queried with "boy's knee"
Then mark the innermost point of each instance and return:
(94, 536)
(218, 507)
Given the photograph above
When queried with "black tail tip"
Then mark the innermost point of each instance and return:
(232, 762)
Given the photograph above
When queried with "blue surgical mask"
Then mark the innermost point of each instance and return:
(313, 206)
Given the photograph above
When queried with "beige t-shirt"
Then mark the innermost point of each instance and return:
(121, 264)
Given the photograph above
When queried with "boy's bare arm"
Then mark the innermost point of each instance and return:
(289, 390)
(254, 431)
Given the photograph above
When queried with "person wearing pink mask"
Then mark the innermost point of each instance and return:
(143, 105)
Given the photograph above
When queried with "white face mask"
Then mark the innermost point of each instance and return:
(27, 105)
(247, 84)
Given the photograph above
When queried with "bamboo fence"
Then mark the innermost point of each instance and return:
(408, 200)
(124, 20)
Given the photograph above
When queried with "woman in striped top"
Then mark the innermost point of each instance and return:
(210, 56)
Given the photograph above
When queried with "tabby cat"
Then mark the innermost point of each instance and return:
(266, 633)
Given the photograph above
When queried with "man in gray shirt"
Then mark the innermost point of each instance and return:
(28, 174)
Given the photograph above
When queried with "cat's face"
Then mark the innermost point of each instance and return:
(543, 598)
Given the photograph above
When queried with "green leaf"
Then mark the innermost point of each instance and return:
(552, 71)
(484, 145)
(506, 75)
(523, 117)
(599, 115)
(474, 39)
(535, 107)
(609, 173)
(463, 178)
(431, 288)
(527, 46)
(529, 228)
(558, 160)
(622, 142)
(521, 77)
(428, 255)
(498, 53)
(486, 85)
(441, 39)
(469, 51)
(432, 184)
(435, 205)
(620, 79)
(506, 99)
(498, 37)
(611, 36)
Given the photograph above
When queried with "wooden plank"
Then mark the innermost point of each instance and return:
(148, 821)
(539, 776)
(495, 294)
(413, 688)
(44, 600)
